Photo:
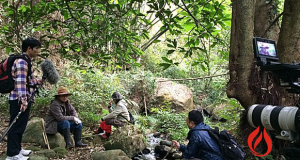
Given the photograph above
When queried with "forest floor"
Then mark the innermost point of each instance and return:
(73, 154)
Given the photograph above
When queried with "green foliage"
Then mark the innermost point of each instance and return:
(172, 124)
(115, 33)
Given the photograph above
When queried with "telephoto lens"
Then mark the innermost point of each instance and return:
(284, 119)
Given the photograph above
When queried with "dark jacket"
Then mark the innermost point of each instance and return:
(201, 145)
(59, 111)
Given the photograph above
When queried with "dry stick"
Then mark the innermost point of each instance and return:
(168, 152)
(145, 106)
(45, 135)
(192, 78)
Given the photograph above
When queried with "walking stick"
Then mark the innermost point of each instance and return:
(14, 121)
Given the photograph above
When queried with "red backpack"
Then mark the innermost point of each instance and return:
(7, 83)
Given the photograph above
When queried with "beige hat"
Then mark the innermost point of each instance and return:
(62, 91)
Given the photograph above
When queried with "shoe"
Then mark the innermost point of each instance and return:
(100, 134)
(80, 144)
(25, 152)
(17, 157)
(77, 138)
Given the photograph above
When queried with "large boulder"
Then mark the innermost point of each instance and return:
(128, 138)
(110, 155)
(177, 96)
(34, 132)
(56, 140)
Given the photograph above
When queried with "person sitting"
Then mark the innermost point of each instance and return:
(118, 116)
(62, 117)
(201, 145)
(103, 130)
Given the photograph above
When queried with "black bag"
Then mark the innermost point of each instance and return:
(131, 118)
(7, 83)
(230, 149)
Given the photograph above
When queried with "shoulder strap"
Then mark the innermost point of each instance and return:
(213, 136)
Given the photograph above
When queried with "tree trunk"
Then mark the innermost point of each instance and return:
(288, 43)
(248, 83)
(241, 51)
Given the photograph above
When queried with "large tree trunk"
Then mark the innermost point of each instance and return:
(288, 43)
(248, 84)
(241, 51)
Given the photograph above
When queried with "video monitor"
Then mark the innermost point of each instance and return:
(265, 49)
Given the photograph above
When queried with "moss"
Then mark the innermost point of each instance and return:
(62, 152)
(33, 148)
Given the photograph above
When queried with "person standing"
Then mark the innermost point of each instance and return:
(23, 75)
(63, 118)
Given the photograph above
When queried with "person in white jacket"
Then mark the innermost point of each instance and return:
(119, 115)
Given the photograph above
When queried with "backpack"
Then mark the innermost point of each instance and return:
(7, 83)
(230, 149)
(131, 118)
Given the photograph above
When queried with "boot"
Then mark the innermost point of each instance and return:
(77, 138)
(67, 134)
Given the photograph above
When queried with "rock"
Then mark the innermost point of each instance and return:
(61, 151)
(56, 140)
(34, 132)
(165, 142)
(128, 138)
(177, 155)
(47, 153)
(33, 148)
(177, 96)
(110, 155)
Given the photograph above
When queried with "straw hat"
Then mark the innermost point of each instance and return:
(62, 91)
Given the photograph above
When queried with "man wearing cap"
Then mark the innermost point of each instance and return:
(63, 118)
(119, 115)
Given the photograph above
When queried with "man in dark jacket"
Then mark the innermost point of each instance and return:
(62, 117)
(201, 145)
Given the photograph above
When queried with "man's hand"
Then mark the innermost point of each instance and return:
(40, 81)
(176, 144)
(23, 107)
(77, 120)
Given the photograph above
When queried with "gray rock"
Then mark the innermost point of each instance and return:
(110, 155)
(128, 138)
(47, 153)
(165, 142)
(56, 140)
(34, 132)
(176, 96)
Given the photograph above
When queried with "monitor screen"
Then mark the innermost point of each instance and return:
(265, 49)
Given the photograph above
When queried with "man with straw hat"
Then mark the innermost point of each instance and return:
(63, 118)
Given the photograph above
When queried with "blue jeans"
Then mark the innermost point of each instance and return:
(61, 125)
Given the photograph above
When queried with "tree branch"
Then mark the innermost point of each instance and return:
(275, 20)
(69, 9)
(193, 78)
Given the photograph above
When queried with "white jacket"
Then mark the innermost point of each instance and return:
(120, 112)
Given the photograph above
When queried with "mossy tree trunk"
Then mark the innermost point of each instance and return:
(248, 83)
